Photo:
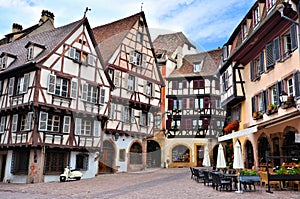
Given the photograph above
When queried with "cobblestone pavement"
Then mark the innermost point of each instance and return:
(154, 183)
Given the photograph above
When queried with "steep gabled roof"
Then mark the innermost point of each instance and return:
(170, 42)
(111, 35)
(209, 61)
(50, 39)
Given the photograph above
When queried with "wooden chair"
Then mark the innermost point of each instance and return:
(193, 175)
(200, 175)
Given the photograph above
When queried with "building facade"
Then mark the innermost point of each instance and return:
(54, 97)
(260, 70)
(129, 59)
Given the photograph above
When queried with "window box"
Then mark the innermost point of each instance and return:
(232, 126)
(272, 108)
(257, 115)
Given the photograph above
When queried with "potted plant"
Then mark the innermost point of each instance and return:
(257, 115)
(232, 125)
(272, 108)
(249, 176)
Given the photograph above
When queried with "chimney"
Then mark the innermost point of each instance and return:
(179, 57)
(16, 28)
(45, 16)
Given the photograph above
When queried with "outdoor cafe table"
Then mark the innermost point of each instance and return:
(233, 177)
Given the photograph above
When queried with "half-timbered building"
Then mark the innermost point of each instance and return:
(260, 68)
(129, 59)
(194, 117)
(54, 97)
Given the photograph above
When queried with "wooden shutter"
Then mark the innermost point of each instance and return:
(170, 104)
(11, 86)
(205, 123)
(201, 83)
(297, 83)
(149, 119)
(73, 93)
(78, 122)
(91, 60)
(265, 100)
(213, 102)
(51, 83)
(43, 121)
(29, 121)
(26, 82)
(278, 92)
(192, 103)
(144, 60)
(131, 56)
(0, 87)
(168, 124)
(184, 84)
(184, 103)
(14, 123)
(195, 84)
(96, 128)
(261, 63)
(67, 124)
(276, 49)
(253, 104)
(117, 78)
(293, 34)
(206, 102)
(174, 85)
(84, 91)
(71, 52)
(132, 116)
(252, 75)
(269, 55)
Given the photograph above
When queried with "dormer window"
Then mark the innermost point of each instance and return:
(256, 16)
(270, 4)
(30, 53)
(3, 63)
(198, 67)
(139, 37)
(244, 30)
(33, 50)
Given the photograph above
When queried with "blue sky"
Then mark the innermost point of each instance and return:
(207, 23)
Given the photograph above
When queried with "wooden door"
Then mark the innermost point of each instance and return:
(106, 161)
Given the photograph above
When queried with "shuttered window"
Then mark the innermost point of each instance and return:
(276, 49)
(293, 33)
(269, 56)
(67, 124)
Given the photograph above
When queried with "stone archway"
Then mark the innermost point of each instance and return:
(263, 149)
(289, 147)
(107, 158)
(153, 154)
(136, 154)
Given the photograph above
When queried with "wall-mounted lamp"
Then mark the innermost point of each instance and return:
(115, 136)
(283, 97)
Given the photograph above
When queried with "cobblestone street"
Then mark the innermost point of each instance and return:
(154, 183)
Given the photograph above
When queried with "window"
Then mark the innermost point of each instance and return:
(84, 127)
(245, 30)
(199, 103)
(2, 124)
(58, 86)
(236, 113)
(23, 84)
(225, 53)
(289, 41)
(11, 86)
(180, 154)
(270, 4)
(91, 60)
(82, 162)
(198, 67)
(175, 124)
(135, 58)
(26, 121)
(67, 124)
(89, 93)
(49, 122)
(273, 95)
(145, 118)
(131, 83)
(197, 124)
(226, 80)
(260, 102)
(257, 66)
(177, 104)
(97, 128)
(256, 16)
(290, 86)
(30, 53)
(157, 121)
(3, 63)
(128, 115)
(74, 54)
(149, 89)
(139, 37)
(55, 161)
(1, 87)
(122, 155)
(20, 161)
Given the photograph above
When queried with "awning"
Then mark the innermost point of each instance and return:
(240, 133)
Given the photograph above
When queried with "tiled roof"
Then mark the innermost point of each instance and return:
(110, 36)
(170, 42)
(50, 39)
(210, 63)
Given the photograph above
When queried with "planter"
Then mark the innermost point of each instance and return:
(255, 178)
(284, 177)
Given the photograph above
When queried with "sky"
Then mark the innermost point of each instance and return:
(208, 24)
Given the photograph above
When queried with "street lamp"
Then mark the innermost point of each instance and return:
(115, 136)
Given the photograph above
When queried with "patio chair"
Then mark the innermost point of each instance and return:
(207, 178)
(193, 175)
(220, 182)
(200, 175)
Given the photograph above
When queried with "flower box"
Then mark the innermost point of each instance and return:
(255, 178)
(284, 177)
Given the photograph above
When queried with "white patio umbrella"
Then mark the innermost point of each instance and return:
(221, 163)
(238, 161)
(206, 159)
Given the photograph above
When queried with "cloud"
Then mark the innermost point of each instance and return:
(201, 20)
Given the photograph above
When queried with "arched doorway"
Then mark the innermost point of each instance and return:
(153, 154)
(249, 159)
(106, 159)
(289, 147)
(263, 149)
(136, 154)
